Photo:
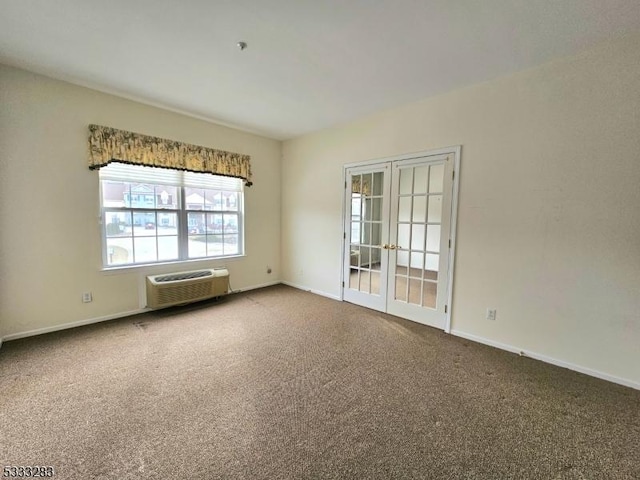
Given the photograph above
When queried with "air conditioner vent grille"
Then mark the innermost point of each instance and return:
(185, 287)
(184, 293)
(183, 276)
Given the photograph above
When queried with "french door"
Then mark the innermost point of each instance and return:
(398, 230)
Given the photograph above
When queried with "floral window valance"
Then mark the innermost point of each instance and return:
(108, 145)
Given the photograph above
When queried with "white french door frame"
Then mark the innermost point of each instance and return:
(455, 151)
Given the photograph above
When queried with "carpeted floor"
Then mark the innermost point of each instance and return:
(282, 384)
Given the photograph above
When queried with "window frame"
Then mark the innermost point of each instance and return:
(182, 214)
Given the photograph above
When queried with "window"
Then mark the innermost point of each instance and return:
(152, 215)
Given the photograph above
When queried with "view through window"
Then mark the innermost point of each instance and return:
(153, 215)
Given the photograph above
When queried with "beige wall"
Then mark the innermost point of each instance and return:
(549, 213)
(50, 248)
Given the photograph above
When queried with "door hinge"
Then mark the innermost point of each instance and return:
(449, 243)
(344, 235)
(445, 309)
(342, 284)
(345, 184)
(453, 175)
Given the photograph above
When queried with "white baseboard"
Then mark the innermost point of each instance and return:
(457, 333)
(546, 359)
(89, 321)
(316, 292)
(79, 323)
(255, 287)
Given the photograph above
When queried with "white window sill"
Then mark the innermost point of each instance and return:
(195, 263)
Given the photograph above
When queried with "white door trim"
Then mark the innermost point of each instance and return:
(452, 232)
(454, 149)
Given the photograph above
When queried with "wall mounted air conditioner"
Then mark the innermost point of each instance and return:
(185, 287)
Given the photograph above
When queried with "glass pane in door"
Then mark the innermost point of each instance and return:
(415, 291)
(434, 214)
(419, 207)
(401, 288)
(420, 179)
(418, 234)
(365, 282)
(375, 283)
(366, 232)
(429, 294)
(436, 178)
(404, 209)
(354, 279)
(433, 238)
(406, 180)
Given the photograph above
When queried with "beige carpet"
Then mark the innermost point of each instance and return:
(283, 384)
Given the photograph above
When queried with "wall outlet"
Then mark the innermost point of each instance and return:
(87, 297)
(491, 314)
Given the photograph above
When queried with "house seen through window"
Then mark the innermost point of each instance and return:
(152, 215)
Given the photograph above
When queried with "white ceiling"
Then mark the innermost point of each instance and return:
(310, 64)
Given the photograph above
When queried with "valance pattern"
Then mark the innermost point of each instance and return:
(108, 145)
